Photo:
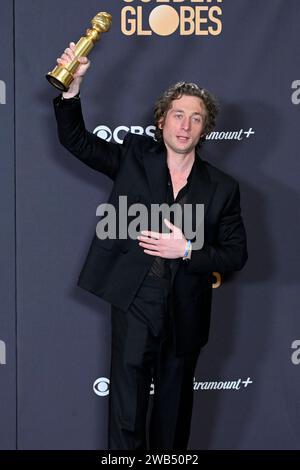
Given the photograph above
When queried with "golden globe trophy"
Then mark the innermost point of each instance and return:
(62, 75)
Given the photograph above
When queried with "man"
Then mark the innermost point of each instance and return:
(159, 285)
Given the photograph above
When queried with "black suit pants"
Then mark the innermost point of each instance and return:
(142, 348)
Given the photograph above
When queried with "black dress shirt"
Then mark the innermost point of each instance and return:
(165, 267)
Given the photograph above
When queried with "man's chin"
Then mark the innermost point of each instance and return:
(184, 150)
(181, 149)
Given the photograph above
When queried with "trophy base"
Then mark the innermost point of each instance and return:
(56, 83)
(60, 78)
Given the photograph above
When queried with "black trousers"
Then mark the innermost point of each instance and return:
(142, 347)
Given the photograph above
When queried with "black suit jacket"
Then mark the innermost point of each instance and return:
(115, 269)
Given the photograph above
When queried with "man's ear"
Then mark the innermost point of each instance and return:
(160, 123)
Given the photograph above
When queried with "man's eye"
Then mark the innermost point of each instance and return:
(178, 116)
(197, 119)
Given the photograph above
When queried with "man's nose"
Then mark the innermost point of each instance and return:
(186, 123)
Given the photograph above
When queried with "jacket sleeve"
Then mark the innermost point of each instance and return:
(90, 149)
(229, 253)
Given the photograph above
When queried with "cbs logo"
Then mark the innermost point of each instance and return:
(118, 134)
(101, 386)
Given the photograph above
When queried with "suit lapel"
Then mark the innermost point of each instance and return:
(201, 188)
(155, 163)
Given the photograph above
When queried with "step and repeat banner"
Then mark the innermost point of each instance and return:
(55, 337)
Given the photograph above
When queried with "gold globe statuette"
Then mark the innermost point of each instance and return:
(62, 75)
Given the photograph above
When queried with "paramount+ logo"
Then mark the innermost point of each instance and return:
(167, 17)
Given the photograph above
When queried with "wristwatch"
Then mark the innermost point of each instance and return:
(188, 251)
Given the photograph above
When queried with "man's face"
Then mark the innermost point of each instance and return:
(183, 125)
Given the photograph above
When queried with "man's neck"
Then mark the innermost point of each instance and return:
(180, 163)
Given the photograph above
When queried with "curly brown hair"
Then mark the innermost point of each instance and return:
(163, 104)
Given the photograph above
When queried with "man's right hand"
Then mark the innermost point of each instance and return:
(67, 57)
